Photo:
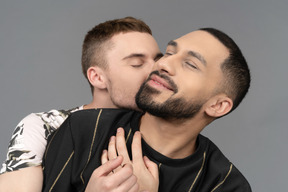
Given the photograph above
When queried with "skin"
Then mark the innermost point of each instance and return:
(28, 179)
(114, 87)
(124, 86)
(196, 80)
(130, 58)
(143, 168)
(123, 180)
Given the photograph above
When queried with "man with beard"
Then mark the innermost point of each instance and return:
(202, 76)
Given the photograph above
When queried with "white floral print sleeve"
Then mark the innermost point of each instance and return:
(29, 139)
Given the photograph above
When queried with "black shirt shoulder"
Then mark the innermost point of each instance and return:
(89, 117)
(221, 172)
(85, 123)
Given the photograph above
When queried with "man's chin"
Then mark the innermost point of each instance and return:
(131, 106)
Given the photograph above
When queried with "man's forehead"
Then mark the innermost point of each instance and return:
(201, 37)
(132, 36)
(135, 43)
(202, 42)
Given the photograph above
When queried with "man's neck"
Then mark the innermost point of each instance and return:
(101, 99)
(174, 139)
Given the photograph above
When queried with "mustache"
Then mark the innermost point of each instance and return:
(165, 77)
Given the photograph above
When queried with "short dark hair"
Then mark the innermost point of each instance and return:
(93, 49)
(235, 68)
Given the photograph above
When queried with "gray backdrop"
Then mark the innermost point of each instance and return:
(40, 52)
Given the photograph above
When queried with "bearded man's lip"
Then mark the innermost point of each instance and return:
(161, 82)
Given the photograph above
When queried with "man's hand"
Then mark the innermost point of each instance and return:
(145, 170)
(122, 181)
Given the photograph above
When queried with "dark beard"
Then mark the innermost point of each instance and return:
(177, 108)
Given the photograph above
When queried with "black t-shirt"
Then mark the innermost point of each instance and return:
(74, 152)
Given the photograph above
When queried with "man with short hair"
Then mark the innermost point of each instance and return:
(117, 57)
(202, 76)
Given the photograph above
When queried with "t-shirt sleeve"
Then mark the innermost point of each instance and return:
(26, 146)
(29, 140)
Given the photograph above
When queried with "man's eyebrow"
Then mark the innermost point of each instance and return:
(172, 43)
(198, 56)
(191, 53)
(134, 55)
(158, 56)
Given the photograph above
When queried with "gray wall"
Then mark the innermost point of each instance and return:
(40, 51)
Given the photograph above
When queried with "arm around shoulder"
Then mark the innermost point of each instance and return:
(25, 180)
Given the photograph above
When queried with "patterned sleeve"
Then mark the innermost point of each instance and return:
(29, 139)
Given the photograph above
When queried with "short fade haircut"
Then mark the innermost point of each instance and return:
(96, 41)
(235, 69)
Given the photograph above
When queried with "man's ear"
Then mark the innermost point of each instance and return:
(97, 77)
(219, 105)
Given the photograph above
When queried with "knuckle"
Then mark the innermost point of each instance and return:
(134, 178)
(129, 169)
(94, 174)
(111, 144)
(120, 147)
(107, 184)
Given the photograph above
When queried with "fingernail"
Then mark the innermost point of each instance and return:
(112, 138)
(137, 133)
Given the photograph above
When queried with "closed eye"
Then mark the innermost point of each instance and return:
(191, 65)
(137, 66)
(168, 54)
(136, 62)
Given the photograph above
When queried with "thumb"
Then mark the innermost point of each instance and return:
(152, 167)
(109, 166)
